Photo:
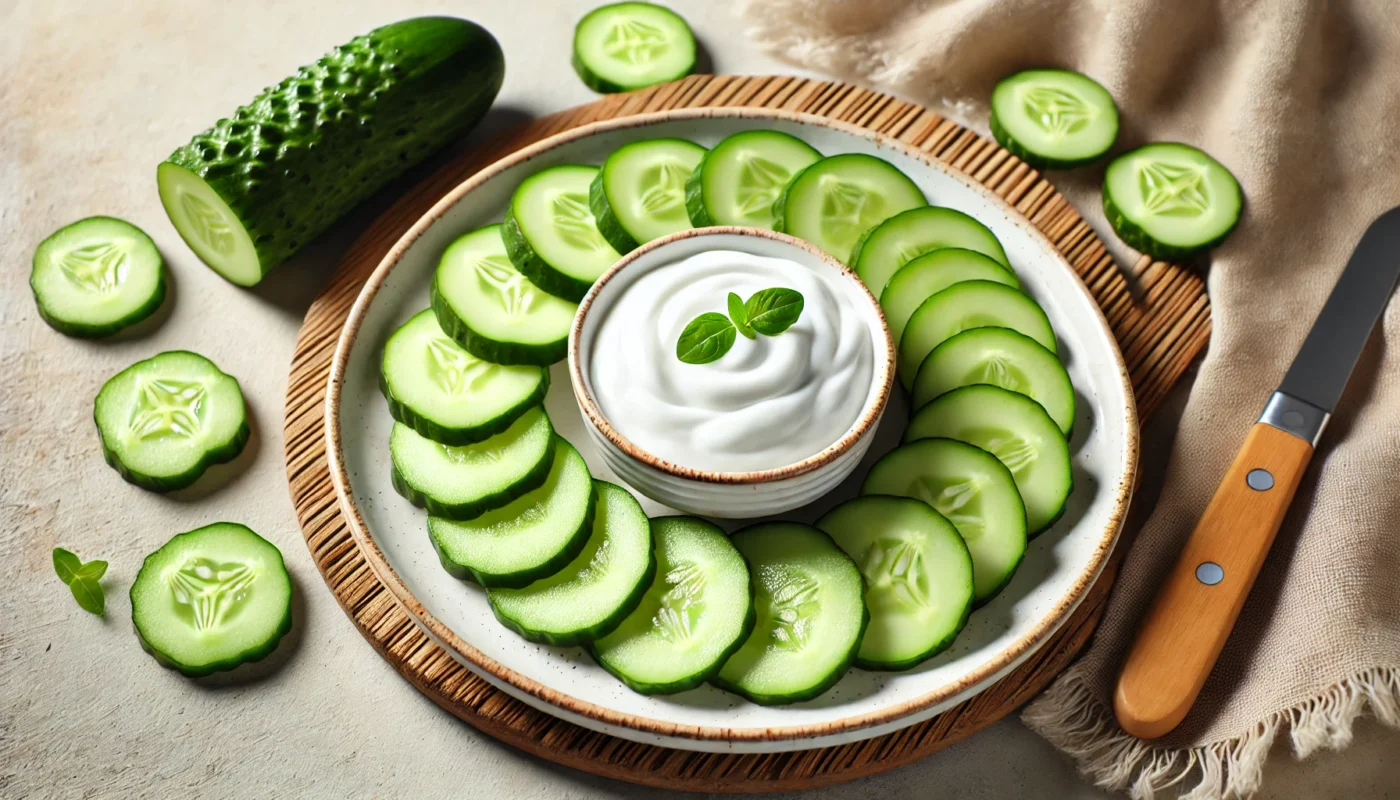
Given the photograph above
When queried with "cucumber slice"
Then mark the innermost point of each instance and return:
(639, 194)
(270, 177)
(211, 599)
(833, 202)
(1053, 118)
(963, 306)
(466, 482)
(97, 276)
(973, 490)
(163, 421)
(811, 615)
(590, 597)
(739, 179)
(999, 357)
(904, 237)
(1171, 200)
(551, 234)
(532, 537)
(918, 577)
(492, 310)
(447, 394)
(1016, 430)
(626, 46)
(930, 274)
(697, 611)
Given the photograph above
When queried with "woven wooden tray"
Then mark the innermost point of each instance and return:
(1161, 325)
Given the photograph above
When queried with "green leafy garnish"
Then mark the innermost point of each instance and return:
(739, 315)
(84, 580)
(707, 338)
(772, 311)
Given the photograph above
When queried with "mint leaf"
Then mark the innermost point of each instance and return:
(88, 593)
(707, 338)
(66, 564)
(739, 315)
(93, 569)
(773, 311)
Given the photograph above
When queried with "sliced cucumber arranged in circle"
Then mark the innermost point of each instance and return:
(904, 237)
(492, 310)
(698, 610)
(1171, 200)
(1015, 429)
(963, 306)
(163, 421)
(918, 577)
(447, 394)
(811, 615)
(999, 357)
(591, 596)
(466, 482)
(97, 276)
(931, 273)
(972, 490)
(739, 179)
(1054, 118)
(551, 234)
(833, 202)
(531, 537)
(211, 599)
(626, 46)
(639, 194)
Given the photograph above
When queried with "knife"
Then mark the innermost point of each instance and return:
(1184, 631)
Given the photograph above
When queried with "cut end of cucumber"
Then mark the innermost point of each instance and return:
(97, 276)
(1054, 118)
(1171, 200)
(208, 225)
(626, 46)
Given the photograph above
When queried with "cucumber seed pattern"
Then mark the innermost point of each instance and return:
(1172, 190)
(455, 371)
(997, 370)
(1056, 111)
(680, 606)
(896, 565)
(208, 224)
(208, 594)
(634, 42)
(760, 182)
(574, 222)
(791, 605)
(97, 268)
(168, 407)
(498, 280)
(955, 500)
(474, 454)
(665, 192)
(1014, 452)
(847, 210)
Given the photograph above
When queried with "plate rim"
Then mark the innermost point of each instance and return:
(474, 659)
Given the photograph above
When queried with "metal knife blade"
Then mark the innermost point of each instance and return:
(1329, 353)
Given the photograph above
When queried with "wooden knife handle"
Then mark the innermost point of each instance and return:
(1183, 633)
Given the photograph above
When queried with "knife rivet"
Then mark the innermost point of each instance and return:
(1293, 419)
(1260, 480)
(1210, 573)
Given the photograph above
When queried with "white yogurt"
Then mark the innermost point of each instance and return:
(768, 403)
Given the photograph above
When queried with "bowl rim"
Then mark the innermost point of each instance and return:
(863, 426)
(515, 683)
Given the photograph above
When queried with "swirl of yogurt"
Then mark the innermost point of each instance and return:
(770, 402)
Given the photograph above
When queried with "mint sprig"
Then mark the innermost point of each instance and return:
(84, 580)
(709, 336)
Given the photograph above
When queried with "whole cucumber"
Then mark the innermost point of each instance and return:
(250, 191)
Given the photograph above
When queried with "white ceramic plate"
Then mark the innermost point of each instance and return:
(1058, 570)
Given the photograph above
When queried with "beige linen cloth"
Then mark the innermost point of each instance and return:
(1301, 100)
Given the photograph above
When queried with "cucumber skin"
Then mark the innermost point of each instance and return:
(704, 676)
(519, 580)
(606, 221)
(695, 196)
(1009, 143)
(593, 632)
(79, 330)
(220, 454)
(256, 653)
(434, 76)
(780, 207)
(1138, 239)
(486, 349)
(529, 264)
(461, 512)
(457, 437)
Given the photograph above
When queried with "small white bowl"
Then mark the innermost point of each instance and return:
(728, 494)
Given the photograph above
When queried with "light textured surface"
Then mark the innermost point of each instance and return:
(94, 96)
(1301, 99)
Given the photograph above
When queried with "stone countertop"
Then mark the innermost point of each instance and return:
(95, 94)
